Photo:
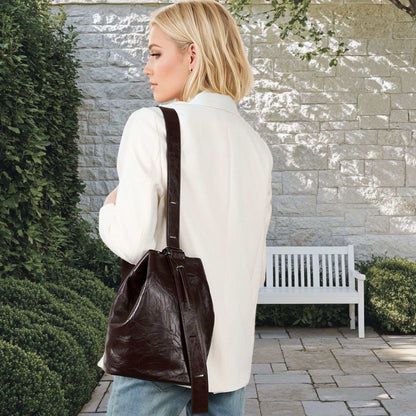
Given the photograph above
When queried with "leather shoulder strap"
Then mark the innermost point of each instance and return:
(173, 138)
(194, 350)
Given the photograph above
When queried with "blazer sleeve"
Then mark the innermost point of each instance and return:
(128, 226)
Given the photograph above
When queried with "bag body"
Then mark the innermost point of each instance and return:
(144, 339)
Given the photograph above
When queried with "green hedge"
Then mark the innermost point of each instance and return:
(312, 316)
(86, 253)
(39, 98)
(79, 307)
(51, 307)
(28, 387)
(57, 349)
(92, 346)
(65, 330)
(391, 296)
(34, 298)
(83, 282)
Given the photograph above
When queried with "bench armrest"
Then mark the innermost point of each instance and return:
(358, 275)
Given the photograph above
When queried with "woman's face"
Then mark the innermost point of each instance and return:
(168, 68)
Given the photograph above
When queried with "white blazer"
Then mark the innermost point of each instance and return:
(225, 210)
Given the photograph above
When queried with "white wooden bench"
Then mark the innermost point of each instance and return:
(311, 275)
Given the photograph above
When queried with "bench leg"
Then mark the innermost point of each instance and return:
(361, 320)
(352, 315)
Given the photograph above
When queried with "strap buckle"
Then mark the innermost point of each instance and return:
(174, 252)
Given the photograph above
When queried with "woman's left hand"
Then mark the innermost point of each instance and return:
(112, 196)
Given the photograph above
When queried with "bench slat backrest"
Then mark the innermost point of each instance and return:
(310, 267)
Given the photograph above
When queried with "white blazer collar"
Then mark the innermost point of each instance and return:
(213, 99)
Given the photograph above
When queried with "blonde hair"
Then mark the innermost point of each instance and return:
(222, 65)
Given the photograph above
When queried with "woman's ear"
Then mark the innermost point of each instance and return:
(192, 56)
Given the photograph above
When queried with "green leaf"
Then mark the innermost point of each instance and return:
(14, 129)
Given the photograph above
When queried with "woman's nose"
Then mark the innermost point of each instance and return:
(146, 69)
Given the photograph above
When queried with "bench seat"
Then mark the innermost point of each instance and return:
(306, 295)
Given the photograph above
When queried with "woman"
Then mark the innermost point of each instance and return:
(197, 64)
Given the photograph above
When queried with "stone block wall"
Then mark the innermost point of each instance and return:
(343, 138)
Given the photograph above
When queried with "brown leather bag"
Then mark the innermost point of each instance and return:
(161, 320)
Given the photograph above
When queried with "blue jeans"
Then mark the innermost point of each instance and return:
(135, 397)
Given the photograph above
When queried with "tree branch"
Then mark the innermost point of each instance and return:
(411, 10)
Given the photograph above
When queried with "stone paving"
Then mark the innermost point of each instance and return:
(320, 372)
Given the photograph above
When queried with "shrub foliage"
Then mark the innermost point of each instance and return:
(38, 130)
(58, 350)
(83, 282)
(53, 311)
(43, 307)
(312, 316)
(28, 386)
(391, 296)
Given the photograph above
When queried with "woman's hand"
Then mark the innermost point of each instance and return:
(112, 196)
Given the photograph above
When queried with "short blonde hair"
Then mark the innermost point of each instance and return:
(222, 65)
